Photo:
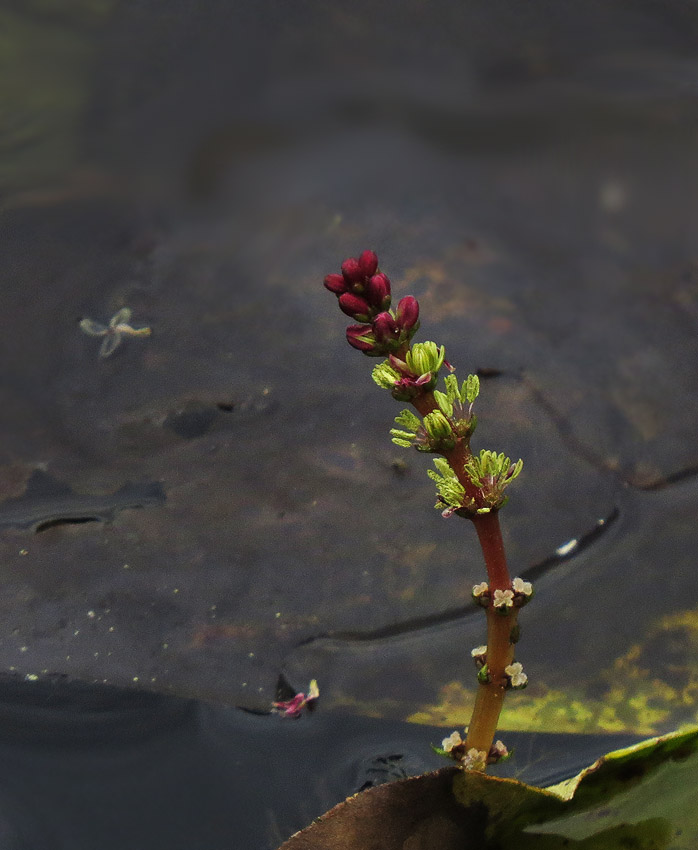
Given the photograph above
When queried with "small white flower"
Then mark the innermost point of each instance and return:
(474, 759)
(453, 740)
(498, 751)
(503, 599)
(479, 656)
(517, 677)
(523, 587)
(480, 589)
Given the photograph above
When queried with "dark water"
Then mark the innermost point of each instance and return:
(219, 502)
(87, 767)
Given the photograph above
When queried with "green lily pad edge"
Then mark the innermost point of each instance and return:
(643, 797)
(512, 806)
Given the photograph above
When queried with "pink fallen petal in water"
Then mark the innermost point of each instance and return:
(294, 707)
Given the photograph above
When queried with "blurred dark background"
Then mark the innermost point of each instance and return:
(527, 170)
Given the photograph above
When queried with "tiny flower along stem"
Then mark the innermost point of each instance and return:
(490, 696)
(500, 649)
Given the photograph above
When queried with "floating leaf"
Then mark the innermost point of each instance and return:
(642, 797)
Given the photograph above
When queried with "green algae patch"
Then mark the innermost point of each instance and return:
(631, 695)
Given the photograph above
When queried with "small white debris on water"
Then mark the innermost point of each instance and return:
(31, 677)
(91, 615)
(568, 547)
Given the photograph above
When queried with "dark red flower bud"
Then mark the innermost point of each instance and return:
(385, 327)
(407, 313)
(361, 337)
(378, 291)
(335, 283)
(368, 263)
(355, 306)
(352, 271)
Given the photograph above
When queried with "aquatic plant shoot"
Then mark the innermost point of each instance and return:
(468, 485)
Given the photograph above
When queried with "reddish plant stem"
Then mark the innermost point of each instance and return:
(425, 403)
(490, 696)
(500, 647)
(500, 627)
(489, 534)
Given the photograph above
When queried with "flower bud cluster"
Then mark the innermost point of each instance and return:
(456, 404)
(435, 434)
(450, 492)
(491, 473)
(364, 294)
(450, 421)
(416, 374)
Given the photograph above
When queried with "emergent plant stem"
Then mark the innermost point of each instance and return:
(500, 627)
(500, 647)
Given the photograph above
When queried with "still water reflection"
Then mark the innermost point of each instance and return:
(88, 767)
